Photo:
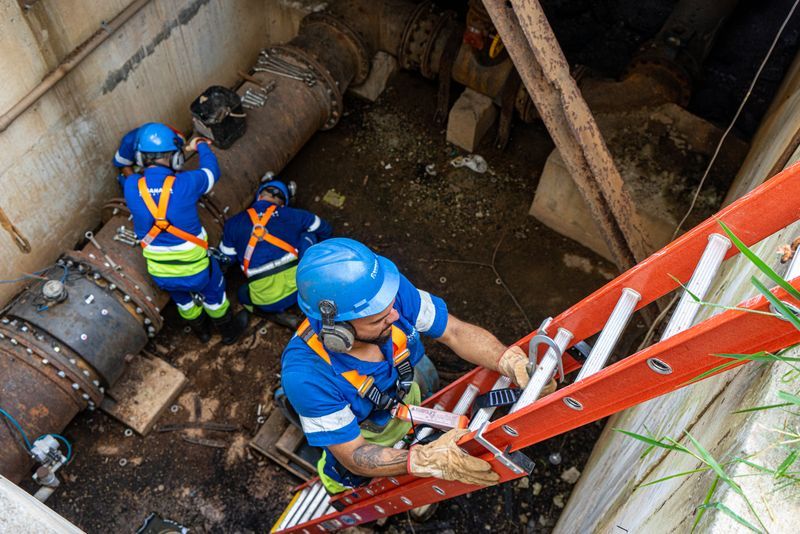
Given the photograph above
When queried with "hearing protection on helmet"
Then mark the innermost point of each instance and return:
(176, 158)
(336, 337)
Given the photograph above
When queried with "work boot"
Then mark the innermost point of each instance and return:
(230, 326)
(200, 327)
(284, 318)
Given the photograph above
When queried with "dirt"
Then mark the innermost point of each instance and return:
(376, 158)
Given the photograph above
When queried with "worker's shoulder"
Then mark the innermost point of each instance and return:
(299, 357)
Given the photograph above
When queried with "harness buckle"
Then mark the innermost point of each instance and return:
(259, 230)
(162, 224)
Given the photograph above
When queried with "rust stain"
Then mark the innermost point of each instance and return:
(22, 243)
(39, 412)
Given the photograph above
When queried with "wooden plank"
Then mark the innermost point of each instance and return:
(266, 441)
(288, 443)
(142, 394)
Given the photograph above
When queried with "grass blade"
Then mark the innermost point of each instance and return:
(703, 507)
(767, 407)
(733, 515)
(676, 475)
(786, 464)
(794, 399)
(713, 464)
(780, 307)
(650, 441)
(758, 262)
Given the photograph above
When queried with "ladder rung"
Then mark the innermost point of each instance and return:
(294, 506)
(544, 371)
(310, 504)
(484, 414)
(699, 284)
(611, 333)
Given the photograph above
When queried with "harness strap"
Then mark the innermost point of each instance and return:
(159, 213)
(260, 234)
(365, 385)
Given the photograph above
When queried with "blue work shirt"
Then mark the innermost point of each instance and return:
(126, 153)
(329, 407)
(187, 189)
(299, 228)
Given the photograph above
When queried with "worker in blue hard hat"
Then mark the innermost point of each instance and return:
(267, 240)
(163, 203)
(360, 353)
(125, 156)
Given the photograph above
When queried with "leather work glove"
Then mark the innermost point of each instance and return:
(514, 364)
(192, 145)
(444, 459)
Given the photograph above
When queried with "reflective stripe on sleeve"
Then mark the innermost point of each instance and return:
(211, 180)
(328, 423)
(228, 251)
(427, 312)
(315, 224)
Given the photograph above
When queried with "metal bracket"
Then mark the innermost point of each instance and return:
(516, 461)
(544, 339)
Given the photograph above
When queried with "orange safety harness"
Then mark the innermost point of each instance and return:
(260, 234)
(159, 213)
(365, 385)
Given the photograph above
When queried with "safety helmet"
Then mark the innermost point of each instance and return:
(356, 280)
(154, 137)
(276, 188)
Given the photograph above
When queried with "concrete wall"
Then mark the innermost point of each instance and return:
(23, 514)
(609, 496)
(55, 171)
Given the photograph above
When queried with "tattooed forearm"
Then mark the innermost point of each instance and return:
(374, 460)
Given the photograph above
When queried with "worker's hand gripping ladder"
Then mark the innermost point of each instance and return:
(683, 353)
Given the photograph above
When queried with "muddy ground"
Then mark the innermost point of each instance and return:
(428, 223)
(376, 157)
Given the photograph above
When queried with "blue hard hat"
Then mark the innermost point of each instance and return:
(276, 184)
(154, 137)
(357, 280)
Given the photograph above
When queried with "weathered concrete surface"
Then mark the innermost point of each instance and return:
(609, 495)
(661, 153)
(22, 514)
(383, 68)
(58, 153)
(469, 119)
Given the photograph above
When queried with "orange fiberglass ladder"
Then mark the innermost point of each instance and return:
(683, 353)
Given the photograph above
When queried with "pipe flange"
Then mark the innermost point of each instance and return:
(330, 87)
(425, 66)
(114, 207)
(64, 367)
(406, 51)
(357, 44)
(131, 295)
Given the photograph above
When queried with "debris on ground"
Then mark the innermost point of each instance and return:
(334, 199)
(571, 475)
(473, 162)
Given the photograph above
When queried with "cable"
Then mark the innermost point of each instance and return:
(18, 427)
(64, 440)
(735, 118)
(25, 276)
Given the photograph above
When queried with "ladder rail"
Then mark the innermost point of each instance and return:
(652, 277)
(686, 355)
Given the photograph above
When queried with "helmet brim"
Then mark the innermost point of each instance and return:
(382, 299)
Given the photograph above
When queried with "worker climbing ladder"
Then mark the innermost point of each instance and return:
(683, 353)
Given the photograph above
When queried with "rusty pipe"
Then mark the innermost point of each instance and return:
(72, 60)
(63, 358)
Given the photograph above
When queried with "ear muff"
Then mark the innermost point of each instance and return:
(337, 337)
(177, 160)
(139, 159)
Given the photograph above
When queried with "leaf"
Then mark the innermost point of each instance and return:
(676, 475)
(780, 307)
(786, 464)
(730, 513)
(649, 441)
(794, 399)
(703, 507)
(711, 462)
(759, 408)
(758, 262)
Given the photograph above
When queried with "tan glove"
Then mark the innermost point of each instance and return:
(513, 363)
(444, 459)
(192, 145)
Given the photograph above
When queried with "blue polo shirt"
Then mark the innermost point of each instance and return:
(126, 153)
(187, 189)
(329, 407)
(299, 228)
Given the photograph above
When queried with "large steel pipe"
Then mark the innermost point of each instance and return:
(57, 358)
